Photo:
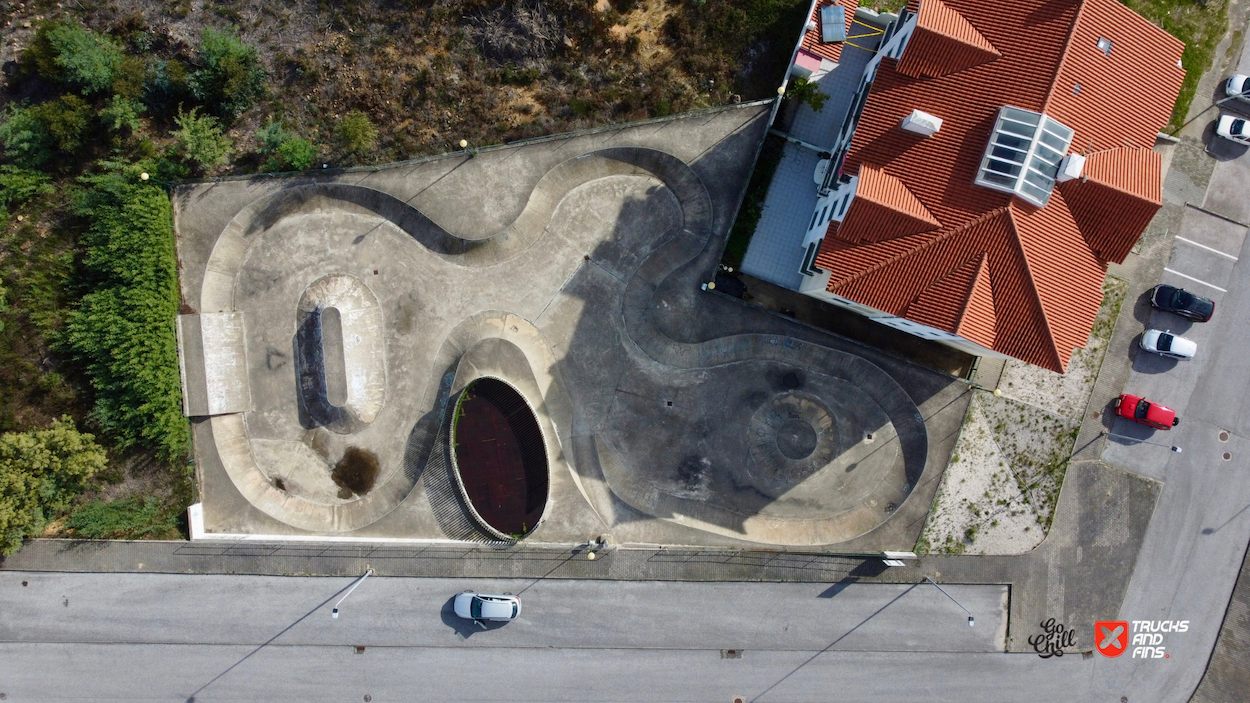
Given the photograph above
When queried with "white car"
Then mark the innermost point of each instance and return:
(1237, 87)
(1168, 344)
(1233, 128)
(481, 606)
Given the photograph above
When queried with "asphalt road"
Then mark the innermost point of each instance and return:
(153, 636)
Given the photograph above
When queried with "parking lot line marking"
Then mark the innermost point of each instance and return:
(1204, 246)
(1197, 280)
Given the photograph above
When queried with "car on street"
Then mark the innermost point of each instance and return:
(1238, 86)
(1182, 302)
(1164, 343)
(480, 607)
(1234, 129)
(1147, 413)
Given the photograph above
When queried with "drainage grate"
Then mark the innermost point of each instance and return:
(731, 654)
(360, 649)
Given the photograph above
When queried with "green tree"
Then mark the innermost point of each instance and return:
(40, 473)
(76, 56)
(229, 78)
(200, 140)
(356, 133)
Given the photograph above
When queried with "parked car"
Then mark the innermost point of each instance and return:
(1238, 86)
(1141, 410)
(481, 606)
(1182, 302)
(1167, 344)
(1234, 129)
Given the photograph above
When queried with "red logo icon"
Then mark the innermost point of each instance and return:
(1111, 637)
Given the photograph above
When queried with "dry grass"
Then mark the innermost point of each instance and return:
(429, 73)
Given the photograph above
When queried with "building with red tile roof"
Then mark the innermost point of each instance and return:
(993, 233)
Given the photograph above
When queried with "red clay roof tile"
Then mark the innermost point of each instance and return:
(887, 210)
(944, 42)
(1045, 266)
(1116, 197)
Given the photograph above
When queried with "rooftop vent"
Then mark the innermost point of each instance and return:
(1104, 45)
(1072, 166)
(1023, 155)
(832, 24)
(922, 123)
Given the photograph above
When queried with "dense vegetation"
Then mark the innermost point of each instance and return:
(123, 327)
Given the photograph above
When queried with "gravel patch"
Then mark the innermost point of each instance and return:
(999, 492)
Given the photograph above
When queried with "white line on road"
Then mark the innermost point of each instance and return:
(1204, 246)
(1196, 280)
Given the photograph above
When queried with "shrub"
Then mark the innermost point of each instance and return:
(272, 136)
(123, 329)
(806, 91)
(122, 113)
(25, 138)
(356, 134)
(129, 518)
(166, 83)
(199, 139)
(286, 151)
(295, 155)
(40, 473)
(32, 134)
(17, 185)
(76, 56)
(230, 77)
(66, 120)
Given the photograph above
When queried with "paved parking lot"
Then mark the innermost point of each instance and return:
(1204, 256)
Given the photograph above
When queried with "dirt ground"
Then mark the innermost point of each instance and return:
(429, 73)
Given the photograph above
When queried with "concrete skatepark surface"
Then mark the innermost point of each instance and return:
(362, 302)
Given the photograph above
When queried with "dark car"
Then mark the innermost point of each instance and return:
(1182, 302)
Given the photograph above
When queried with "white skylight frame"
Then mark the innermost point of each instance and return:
(1023, 154)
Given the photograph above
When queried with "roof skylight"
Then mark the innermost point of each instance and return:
(1023, 154)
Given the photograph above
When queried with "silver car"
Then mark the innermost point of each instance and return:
(1168, 344)
(480, 607)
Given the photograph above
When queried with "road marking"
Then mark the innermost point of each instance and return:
(1196, 280)
(1204, 246)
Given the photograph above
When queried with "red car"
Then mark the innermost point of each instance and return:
(1141, 410)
